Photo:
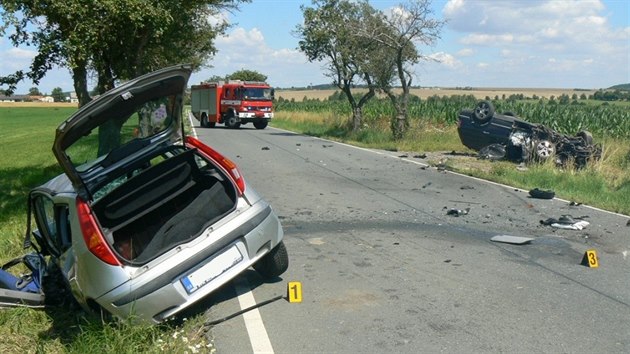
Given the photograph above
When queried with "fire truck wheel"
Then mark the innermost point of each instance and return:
(261, 124)
(204, 120)
(231, 122)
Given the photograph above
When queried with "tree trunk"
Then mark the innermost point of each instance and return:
(357, 119)
(79, 76)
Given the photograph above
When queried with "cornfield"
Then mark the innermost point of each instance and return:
(603, 120)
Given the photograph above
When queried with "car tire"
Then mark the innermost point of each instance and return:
(274, 263)
(261, 124)
(544, 149)
(483, 112)
(586, 136)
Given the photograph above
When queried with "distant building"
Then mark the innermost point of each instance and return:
(72, 97)
(15, 98)
(47, 99)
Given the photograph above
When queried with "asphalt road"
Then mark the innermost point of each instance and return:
(385, 269)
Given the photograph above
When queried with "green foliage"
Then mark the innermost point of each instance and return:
(247, 75)
(57, 95)
(601, 120)
(34, 91)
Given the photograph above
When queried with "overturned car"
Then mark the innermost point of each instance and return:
(497, 136)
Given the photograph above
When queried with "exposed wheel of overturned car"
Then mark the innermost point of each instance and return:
(544, 149)
(483, 112)
(273, 263)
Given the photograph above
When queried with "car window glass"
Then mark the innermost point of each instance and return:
(46, 222)
(123, 133)
(63, 223)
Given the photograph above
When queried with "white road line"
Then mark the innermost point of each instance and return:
(253, 321)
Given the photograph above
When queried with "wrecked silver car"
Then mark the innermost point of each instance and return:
(498, 136)
(145, 221)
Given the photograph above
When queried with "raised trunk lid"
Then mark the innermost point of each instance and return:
(141, 115)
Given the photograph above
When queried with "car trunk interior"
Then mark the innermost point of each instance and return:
(164, 205)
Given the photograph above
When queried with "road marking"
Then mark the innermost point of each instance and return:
(253, 321)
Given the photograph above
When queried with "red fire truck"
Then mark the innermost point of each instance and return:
(232, 103)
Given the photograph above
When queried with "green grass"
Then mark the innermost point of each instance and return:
(604, 184)
(27, 161)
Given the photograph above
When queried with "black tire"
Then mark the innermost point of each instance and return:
(231, 121)
(204, 120)
(483, 112)
(274, 263)
(586, 136)
(262, 124)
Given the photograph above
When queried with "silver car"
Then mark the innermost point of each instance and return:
(146, 221)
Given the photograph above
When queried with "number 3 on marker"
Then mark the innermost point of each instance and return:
(294, 290)
(592, 258)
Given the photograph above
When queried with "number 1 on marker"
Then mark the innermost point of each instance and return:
(294, 291)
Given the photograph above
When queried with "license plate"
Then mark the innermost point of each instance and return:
(217, 266)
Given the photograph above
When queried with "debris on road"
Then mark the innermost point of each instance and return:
(457, 212)
(566, 222)
(542, 194)
(515, 240)
(265, 148)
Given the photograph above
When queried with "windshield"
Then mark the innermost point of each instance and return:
(128, 128)
(257, 93)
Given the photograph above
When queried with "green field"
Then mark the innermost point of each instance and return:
(27, 161)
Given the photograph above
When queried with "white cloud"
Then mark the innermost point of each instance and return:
(466, 52)
(446, 60)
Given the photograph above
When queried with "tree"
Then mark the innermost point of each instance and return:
(57, 95)
(34, 91)
(405, 27)
(328, 35)
(247, 75)
(114, 39)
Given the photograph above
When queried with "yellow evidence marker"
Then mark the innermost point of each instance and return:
(294, 291)
(590, 259)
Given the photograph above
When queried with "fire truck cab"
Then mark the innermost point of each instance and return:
(232, 103)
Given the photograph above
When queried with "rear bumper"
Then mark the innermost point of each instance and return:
(160, 293)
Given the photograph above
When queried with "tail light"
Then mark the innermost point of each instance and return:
(92, 235)
(224, 162)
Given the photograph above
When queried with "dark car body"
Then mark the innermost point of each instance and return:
(482, 128)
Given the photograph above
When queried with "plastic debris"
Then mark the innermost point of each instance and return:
(566, 222)
(542, 194)
(515, 240)
(457, 212)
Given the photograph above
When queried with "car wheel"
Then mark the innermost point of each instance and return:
(544, 149)
(204, 120)
(261, 124)
(231, 121)
(483, 112)
(586, 136)
(273, 263)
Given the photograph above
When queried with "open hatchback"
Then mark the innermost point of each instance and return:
(145, 221)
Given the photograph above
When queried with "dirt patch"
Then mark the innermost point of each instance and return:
(451, 160)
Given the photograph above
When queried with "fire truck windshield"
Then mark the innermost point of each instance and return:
(257, 93)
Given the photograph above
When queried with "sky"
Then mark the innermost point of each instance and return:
(485, 43)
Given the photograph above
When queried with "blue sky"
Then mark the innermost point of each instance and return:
(486, 43)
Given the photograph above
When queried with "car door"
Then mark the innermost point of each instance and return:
(53, 228)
